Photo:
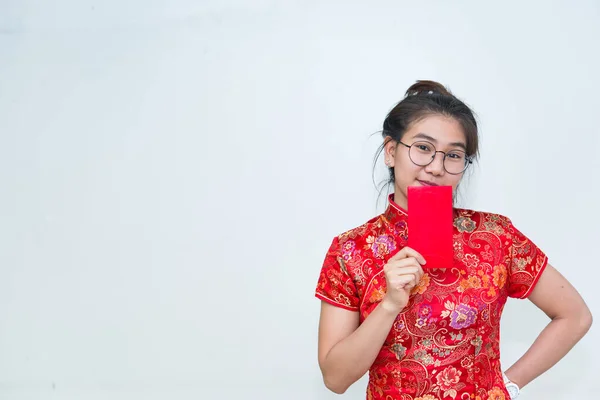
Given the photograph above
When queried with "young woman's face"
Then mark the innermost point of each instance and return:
(446, 135)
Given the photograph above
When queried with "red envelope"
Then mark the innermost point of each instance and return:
(430, 224)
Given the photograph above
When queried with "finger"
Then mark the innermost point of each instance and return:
(401, 282)
(410, 252)
(420, 274)
(399, 271)
(405, 262)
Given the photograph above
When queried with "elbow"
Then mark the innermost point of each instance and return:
(585, 321)
(580, 321)
(336, 385)
(337, 389)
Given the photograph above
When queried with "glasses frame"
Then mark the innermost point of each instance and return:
(468, 159)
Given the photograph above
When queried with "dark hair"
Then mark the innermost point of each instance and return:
(423, 99)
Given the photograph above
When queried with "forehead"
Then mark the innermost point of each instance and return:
(445, 131)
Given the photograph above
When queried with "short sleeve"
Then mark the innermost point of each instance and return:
(335, 286)
(526, 264)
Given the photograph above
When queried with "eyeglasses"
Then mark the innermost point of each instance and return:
(423, 154)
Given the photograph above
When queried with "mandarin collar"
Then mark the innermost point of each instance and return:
(394, 213)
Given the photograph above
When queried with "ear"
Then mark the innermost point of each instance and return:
(389, 151)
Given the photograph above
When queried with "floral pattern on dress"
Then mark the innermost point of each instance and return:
(445, 343)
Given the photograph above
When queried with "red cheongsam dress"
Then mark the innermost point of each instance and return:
(445, 343)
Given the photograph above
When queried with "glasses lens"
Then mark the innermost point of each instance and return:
(455, 161)
(421, 153)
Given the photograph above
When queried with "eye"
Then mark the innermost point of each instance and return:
(456, 156)
(423, 147)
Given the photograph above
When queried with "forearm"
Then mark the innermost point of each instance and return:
(553, 343)
(352, 357)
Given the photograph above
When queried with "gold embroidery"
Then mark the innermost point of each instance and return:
(444, 343)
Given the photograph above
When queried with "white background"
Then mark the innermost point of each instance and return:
(173, 171)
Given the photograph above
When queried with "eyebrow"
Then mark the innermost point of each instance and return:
(427, 137)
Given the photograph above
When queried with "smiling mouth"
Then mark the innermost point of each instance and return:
(427, 183)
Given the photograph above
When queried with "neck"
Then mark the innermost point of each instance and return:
(400, 199)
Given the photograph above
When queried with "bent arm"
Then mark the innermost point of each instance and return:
(346, 349)
(571, 319)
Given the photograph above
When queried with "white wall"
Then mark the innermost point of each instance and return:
(172, 173)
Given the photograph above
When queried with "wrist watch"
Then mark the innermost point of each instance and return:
(511, 387)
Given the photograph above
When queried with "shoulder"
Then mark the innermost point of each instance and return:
(374, 224)
(365, 232)
(466, 220)
(484, 215)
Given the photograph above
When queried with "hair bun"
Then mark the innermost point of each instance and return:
(427, 87)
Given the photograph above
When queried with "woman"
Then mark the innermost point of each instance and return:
(435, 334)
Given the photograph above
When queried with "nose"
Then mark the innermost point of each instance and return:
(436, 166)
